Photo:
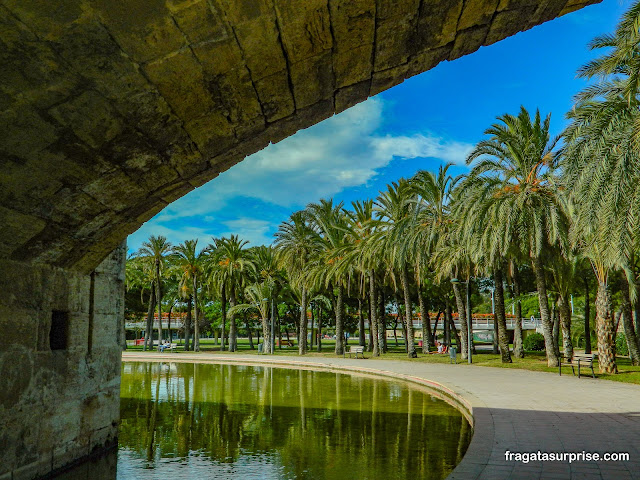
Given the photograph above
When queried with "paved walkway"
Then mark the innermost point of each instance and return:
(514, 410)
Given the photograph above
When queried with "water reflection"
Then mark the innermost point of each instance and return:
(229, 421)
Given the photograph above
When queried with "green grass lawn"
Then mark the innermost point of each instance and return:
(535, 361)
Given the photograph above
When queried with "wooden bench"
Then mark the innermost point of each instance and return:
(286, 343)
(579, 360)
(357, 349)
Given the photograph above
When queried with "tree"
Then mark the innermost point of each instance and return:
(190, 264)
(155, 250)
(513, 188)
(234, 263)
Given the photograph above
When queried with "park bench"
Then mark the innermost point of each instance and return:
(579, 360)
(357, 349)
(286, 343)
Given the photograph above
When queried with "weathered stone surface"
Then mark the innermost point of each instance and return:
(111, 109)
(57, 406)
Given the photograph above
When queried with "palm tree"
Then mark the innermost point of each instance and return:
(431, 224)
(513, 188)
(331, 225)
(139, 274)
(190, 263)
(258, 296)
(156, 249)
(296, 243)
(602, 166)
(234, 263)
(393, 208)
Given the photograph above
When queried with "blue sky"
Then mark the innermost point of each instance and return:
(429, 119)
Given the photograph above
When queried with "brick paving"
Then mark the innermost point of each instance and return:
(515, 410)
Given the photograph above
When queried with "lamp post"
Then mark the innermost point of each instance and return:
(469, 334)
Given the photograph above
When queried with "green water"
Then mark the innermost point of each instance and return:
(182, 420)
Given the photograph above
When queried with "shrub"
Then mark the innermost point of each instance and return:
(534, 342)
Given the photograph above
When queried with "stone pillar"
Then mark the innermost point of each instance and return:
(60, 344)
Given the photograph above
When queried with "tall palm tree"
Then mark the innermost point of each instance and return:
(514, 185)
(331, 225)
(234, 264)
(190, 263)
(393, 207)
(156, 249)
(257, 295)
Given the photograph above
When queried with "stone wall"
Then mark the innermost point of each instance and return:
(60, 404)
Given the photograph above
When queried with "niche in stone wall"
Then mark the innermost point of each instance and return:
(59, 333)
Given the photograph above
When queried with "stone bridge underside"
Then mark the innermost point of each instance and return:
(112, 109)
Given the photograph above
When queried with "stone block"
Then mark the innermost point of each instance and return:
(386, 9)
(468, 41)
(262, 51)
(437, 24)
(179, 78)
(18, 326)
(305, 28)
(394, 43)
(312, 80)
(349, 96)
(428, 59)
(200, 21)
(23, 228)
(386, 79)
(212, 133)
(353, 66)
(143, 28)
(352, 22)
(115, 190)
(507, 23)
(240, 11)
(275, 96)
(477, 12)
(91, 117)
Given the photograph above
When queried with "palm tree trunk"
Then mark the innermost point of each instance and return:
(518, 345)
(382, 321)
(247, 323)
(196, 323)
(148, 333)
(605, 330)
(266, 337)
(565, 323)
(426, 324)
(408, 314)
(361, 339)
(187, 326)
(302, 345)
(462, 316)
(319, 328)
(627, 321)
(340, 321)
(543, 301)
(233, 333)
(223, 301)
(373, 320)
(169, 324)
(159, 302)
(313, 322)
(587, 318)
(500, 316)
(556, 326)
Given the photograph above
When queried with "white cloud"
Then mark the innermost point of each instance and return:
(254, 230)
(344, 151)
(175, 234)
